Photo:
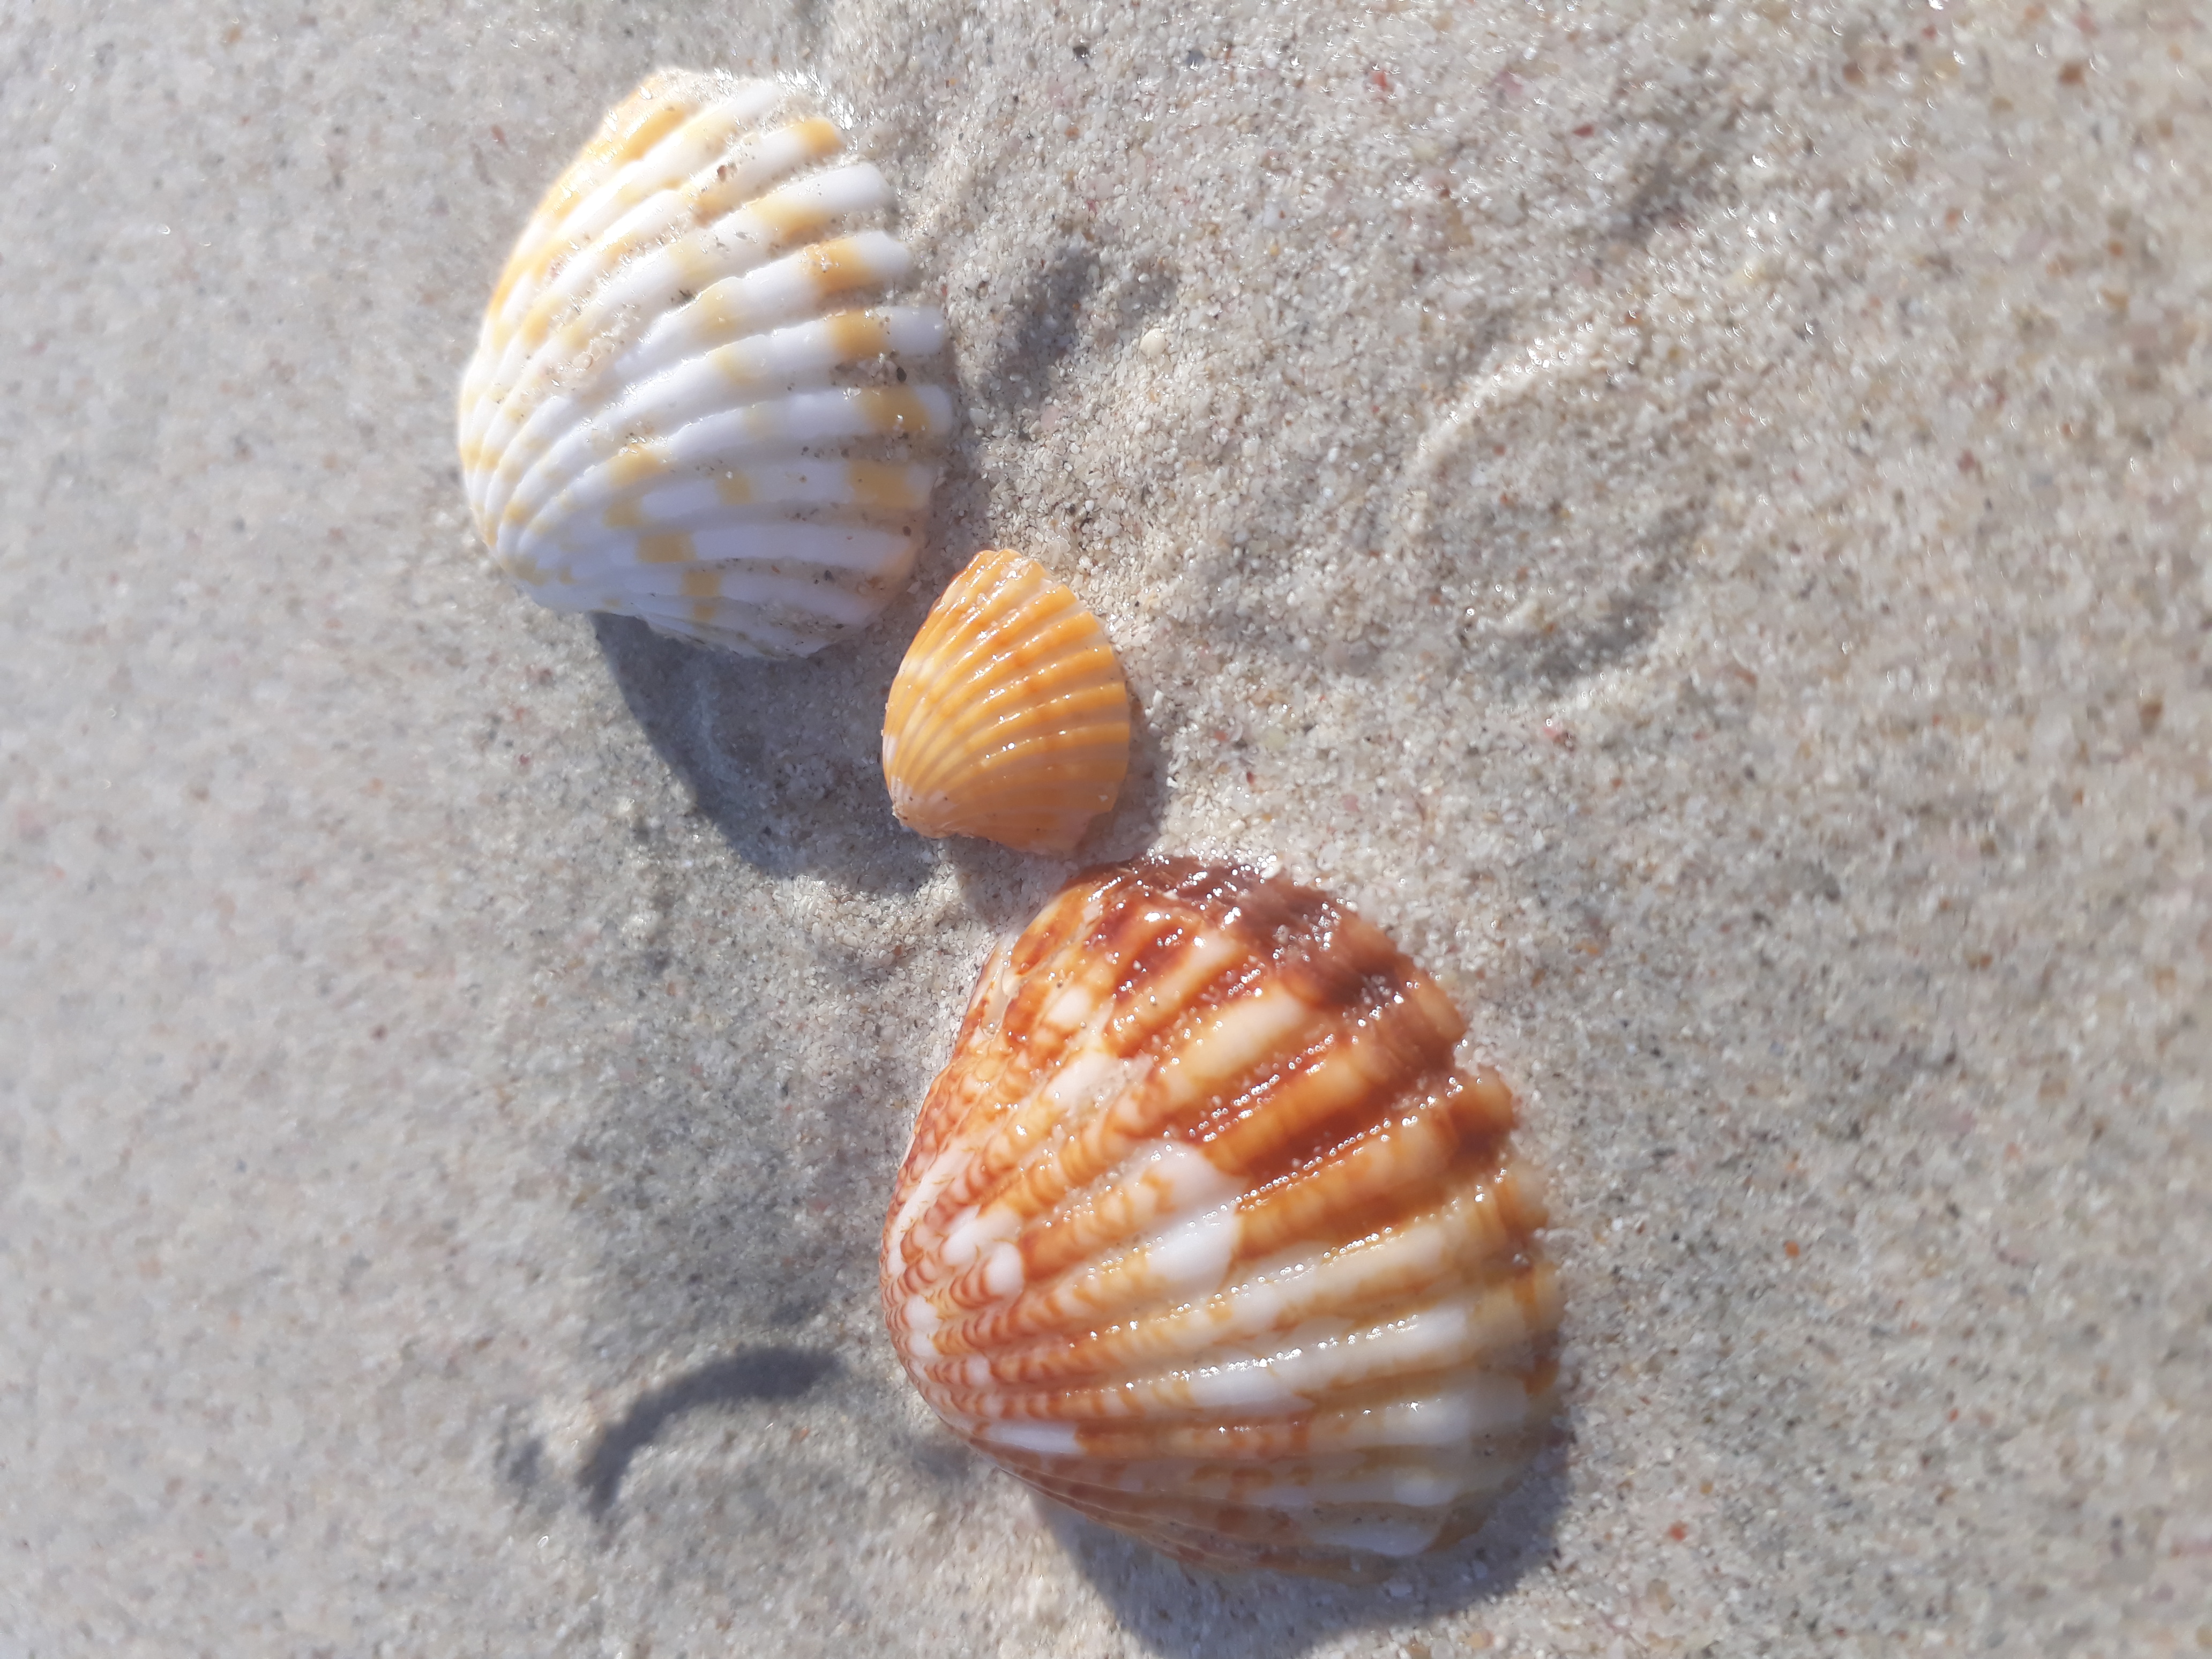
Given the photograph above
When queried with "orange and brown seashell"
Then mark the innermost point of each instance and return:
(1009, 717)
(1203, 1233)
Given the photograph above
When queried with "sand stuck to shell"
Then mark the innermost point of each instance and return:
(691, 401)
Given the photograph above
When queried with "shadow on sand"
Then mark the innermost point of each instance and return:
(771, 754)
(1184, 1612)
(793, 785)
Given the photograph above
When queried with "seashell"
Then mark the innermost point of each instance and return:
(1009, 717)
(1202, 1234)
(686, 403)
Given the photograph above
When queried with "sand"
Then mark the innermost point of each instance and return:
(1693, 517)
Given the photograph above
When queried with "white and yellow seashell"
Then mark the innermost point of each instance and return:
(1203, 1234)
(1009, 717)
(687, 403)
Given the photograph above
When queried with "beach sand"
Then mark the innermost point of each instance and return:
(1693, 518)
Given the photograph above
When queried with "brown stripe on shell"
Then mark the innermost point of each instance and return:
(1492, 1212)
(1227, 1253)
(1038, 1350)
(1046, 1350)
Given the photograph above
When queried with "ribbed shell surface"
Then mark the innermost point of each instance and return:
(1203, 1233)
(1009, 717)
(688, 401)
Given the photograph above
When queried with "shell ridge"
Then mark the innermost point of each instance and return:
(688, 392)
(1009, 684)
(726, 436)
(975, 614)
(735, 587)
(1008, 729)
(728, 439)
(672, 259)
(1072, 773)
(948, 729)
(1463, 1232)
(1172, 1182)
(706, 213)
(776, 292)
(1369, 1276)
(588, 214)
(628, 131)
(613, 317)
(763, 493)
(629, 213)
(1270, 1297)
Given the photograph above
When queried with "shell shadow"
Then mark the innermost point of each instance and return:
(1072, 292)
(751, 1374)
(1132, 827)
(735, 1218)
(784, 758)
(1177, 1612)
(770, 752)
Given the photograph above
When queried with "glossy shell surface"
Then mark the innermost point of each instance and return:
(690, 402)
(1203, 1233)
(1009, 717)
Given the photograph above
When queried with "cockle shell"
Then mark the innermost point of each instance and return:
(685, 404)
(1203, 1234)
(1009, 717)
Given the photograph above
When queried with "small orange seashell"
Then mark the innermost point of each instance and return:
(1009, 717)
(1203, 1234)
